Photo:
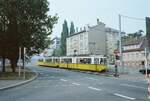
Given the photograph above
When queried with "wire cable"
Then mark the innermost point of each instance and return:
(134, 18)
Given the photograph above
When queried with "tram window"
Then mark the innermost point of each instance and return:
(105, 61)
(62, 60)
(50, 60)
(68, 60)
(81, 61)
(65, 61)
(84, 61)
(101, 61)
(41, 60)
(47, 60)
(96, 61)
(89, 61)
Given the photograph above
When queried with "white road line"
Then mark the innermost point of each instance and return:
(92, 78)
(100, 83)
(52, 76)
(93, 88)
(50, 86)
(127, 85)
(63, 80)
(123, 96)
(76, 84)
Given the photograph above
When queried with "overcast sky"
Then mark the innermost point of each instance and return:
(83, 12)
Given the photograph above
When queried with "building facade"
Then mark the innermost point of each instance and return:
(77, 44)
(53, 48)
(133, 52)
(93, 40)
(112, 43)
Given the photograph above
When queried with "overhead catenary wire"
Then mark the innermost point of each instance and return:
(133, 18)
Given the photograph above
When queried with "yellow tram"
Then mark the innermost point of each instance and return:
(89, 63)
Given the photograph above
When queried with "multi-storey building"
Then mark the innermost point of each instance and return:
(54, 46)
(77, 44)
(95, 40)
(112, 43)
(90, 41)
(133, 51)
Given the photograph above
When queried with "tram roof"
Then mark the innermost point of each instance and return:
(78, 57)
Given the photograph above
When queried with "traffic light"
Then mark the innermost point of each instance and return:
(117, 57)
(148, 31)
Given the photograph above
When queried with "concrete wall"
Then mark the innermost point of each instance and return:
(97, 39)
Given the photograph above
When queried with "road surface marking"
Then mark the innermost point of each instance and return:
(127, 85)
(92, 78)
(100, 83)
(35, 87)
(123, 96)
(63, 80)
(76, 84)
(93, 88)
(52, 76)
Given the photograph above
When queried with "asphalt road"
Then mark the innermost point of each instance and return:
(65, 85)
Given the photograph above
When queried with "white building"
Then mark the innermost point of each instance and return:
(112, 42)
(77, 44)
(55, 44)
(133, 52)
(95, 40)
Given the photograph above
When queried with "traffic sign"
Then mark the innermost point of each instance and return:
(116, 51)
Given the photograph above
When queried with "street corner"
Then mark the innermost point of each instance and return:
(8, 83)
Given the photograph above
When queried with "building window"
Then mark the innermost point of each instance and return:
(81, 37)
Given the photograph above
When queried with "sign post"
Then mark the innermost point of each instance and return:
(117, 57)
(19, 61)
(24, 62)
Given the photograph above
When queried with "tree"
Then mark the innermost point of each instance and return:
(72, 29)
(64, 35)
(137, 34)
(56, 52)
(24, 23)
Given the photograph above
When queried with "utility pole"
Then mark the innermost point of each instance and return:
(19, 61)
(147, 52)
(120, 45)
(146, 61)
(24, 54)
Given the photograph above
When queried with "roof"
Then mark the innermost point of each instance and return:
(108, 29)
(77, 33)
(133, 41)
(133, 50)
(136, 41)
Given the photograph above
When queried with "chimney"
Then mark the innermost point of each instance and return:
(80, 29)
(84, 28)
(98, 22)
(76, 29)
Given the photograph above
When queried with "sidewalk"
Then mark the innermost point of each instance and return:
(4, 83)
(11, 83)
(131, 74)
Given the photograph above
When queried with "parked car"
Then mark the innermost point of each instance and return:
(143, 70)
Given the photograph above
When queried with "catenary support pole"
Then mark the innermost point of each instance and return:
(120, 45)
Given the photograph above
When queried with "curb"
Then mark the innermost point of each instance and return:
(96, 73)
(20, 83)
